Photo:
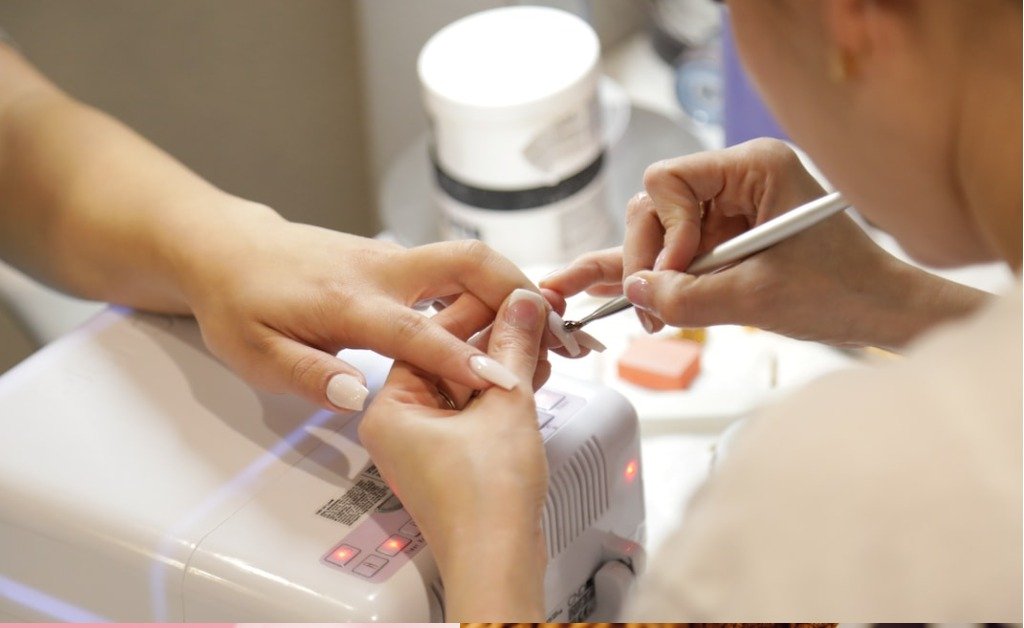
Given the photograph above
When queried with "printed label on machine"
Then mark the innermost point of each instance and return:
(384, 541)
(357, 501)
(388, 538)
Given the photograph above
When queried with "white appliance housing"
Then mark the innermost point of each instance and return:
(140, 480)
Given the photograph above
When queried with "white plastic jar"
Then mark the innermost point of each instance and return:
(516, 132)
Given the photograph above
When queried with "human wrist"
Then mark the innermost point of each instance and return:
(200, 238)
(912, 301)
(494, 574)
(935, 300)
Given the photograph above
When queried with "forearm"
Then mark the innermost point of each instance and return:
(496, 575)
(89, 206)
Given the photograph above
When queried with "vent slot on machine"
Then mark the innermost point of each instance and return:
(577, 497)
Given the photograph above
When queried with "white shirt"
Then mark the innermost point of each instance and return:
(883, 494)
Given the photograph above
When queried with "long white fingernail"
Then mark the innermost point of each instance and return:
(346, 392)
(493, 371)
(557, 327)
(588, 341)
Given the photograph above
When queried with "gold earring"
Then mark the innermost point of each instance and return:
(841, 66)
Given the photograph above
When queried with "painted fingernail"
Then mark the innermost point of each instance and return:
(525, 309)
(645, 320)
(638, 291)
(588, 341)
(347, 392)
(491, 370)
(557, 327)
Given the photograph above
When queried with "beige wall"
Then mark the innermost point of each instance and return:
(262, 97)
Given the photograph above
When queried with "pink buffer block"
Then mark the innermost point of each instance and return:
(660, 363)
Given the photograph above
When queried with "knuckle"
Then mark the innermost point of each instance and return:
(506, 344)
(587, 260)
(656, 173)
(774, 150)
(407, 326)
(304, 369)
(476, 252)
(256, 338)
(517, 344)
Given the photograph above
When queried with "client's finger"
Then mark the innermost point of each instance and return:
(591, 269)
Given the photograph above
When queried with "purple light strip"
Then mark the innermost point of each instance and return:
(157, 572)
(36, 600)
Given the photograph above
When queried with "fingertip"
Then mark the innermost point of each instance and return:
(347, 391)
(554, 299)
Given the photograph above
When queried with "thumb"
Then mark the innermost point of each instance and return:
(517, 334)
(315, 375)
(682, 300)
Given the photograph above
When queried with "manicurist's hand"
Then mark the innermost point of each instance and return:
(277, 300)
(831, 283)
(473, 479)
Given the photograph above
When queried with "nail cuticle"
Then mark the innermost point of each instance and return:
(525, 309)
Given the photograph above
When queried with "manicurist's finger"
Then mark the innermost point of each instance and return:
(595, 268)
(644, 235)
(685, 300)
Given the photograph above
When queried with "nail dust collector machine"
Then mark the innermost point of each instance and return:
(142, 481)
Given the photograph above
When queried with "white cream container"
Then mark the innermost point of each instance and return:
(517, 142)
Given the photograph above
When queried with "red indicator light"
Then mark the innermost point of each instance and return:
(393, 544)
(631, 470)
(342, 555)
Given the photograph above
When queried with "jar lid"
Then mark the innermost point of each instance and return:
(510, 58)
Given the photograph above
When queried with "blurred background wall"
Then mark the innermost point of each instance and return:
(262, 97)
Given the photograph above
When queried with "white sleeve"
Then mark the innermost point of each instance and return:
(887, 494)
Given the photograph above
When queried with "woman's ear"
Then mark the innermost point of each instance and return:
(847, 38)
(866, 34)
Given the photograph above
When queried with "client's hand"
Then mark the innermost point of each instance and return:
(473, 479)
(277, 300)
(831, 283)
